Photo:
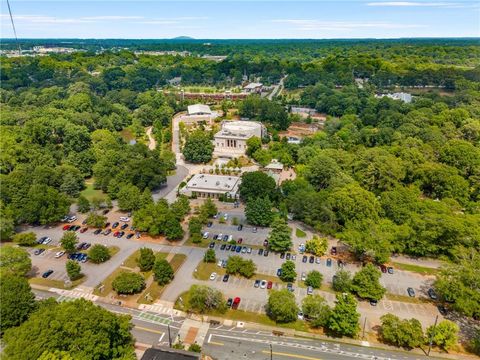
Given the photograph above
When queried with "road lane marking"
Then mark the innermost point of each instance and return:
(216, 343)
(149, 330)
(161, 337)
(291, 355)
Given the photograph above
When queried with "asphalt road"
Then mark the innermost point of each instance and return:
(180, 174)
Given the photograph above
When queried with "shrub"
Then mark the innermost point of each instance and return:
(99, 254)
(25, 239)
(163, 272)
(146, 260)
(128, 283)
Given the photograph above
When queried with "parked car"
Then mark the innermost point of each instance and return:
(97, 231)
(304, 276)
(225, 278)
(411, 292)
(244, 250)
(215, 237)
(287, 256)
(309, 290)
(341, 263)
(249, 250)
(229, 302)
(304, 258)
(373, 302)
(129, 236)
(238, 249)
(442, 310)
(86, 246)
(240, 227)
(115, 234)
(59, 254)
(82, 230)
(209, 224)
(236, 303)
(312, 259)
(300, 315)
(279, 272)
(47, 273)
(138, 234)
(124, 219)
(213, 276)
(333, 250)
(107, 225)
(80, 246)
(317, 260)
(44, 240)
(75, 228)
(228, 247)
(265, 253)
(256, 283)
(263, 284)
(227, 237)
(265, 243)
(432, 294)
(106, 232)
(66, 227)
(223, 246)
(260, 252)
(233, 248)
(205, 235)
(239, 241)
(294, 257)
(124, 226)
(84, 222)
(282, 256)
(212, 245)
(383, 268)
(269, 285)
(290, 287)
(225, 217)
(254, 230)
(71, 219)
(329, 262)
(390, 270)
(106, 211)
(219, 263)
(115, 224)
(224, 264)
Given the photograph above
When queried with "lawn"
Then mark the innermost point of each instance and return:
(90, 193)
(205, 269)
(406, 298)
(416, 268)
(300, 233)
(204, 243)
(107, 283)
(155, 290)
(58, 284)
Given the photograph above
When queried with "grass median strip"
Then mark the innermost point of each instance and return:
(423, 270)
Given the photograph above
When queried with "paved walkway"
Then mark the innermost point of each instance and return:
(193, 331)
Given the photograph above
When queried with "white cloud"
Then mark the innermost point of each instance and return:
(41, 19)
(157, 22)
(112, 17)
(316, 25)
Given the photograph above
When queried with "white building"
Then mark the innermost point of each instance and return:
(231, 140)
(253, 88)
(212, 186)
(199, 113)
(275, 166)
(405, 97)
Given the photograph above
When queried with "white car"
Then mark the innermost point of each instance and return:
(220, 236)
(317, 260)
(225, 217)
(46, 241)
(205, 235)
(263, 284)
(213, 276)
(300, 315)
(59, 254)
(309, 290)
(293, 257)
(124, 219)
(71, 219)
(230, 237)
(304, 276)
(219, 263)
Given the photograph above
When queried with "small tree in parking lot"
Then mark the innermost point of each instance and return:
(96, 220)
(83, 204)
(314, 279)
(366, 283)
(98, 254)
(163, 272)
(209, 256)
(288, 271)
(316, 310)
(444, 335)
(128, 283)
(69, 241)
(146, 260)
(280, 238)
(208, 208)
(25, 239)
(237, 265)
(73, 270)
(342, 281)
(317, 246)
(281, 306)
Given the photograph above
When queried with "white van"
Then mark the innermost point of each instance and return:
(72, 219)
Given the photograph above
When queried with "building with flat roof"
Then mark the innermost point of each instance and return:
(199, 109)
(212, 186)
(274, 166)
(231, 140)
(405, 97)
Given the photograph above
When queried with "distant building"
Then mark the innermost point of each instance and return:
(405, 97)
(175, 81)
(199, 113)
(302, 110)
(212, 186)
(165, 353)
(231, 140)
(275, 166)
(293, 140)
(253, 88)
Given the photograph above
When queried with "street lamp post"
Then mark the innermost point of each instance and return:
(271, 352)
(169, 336)
(431, 336)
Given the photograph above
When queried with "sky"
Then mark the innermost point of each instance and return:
(224, 19)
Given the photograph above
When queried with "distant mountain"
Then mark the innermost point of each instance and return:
(183, 38)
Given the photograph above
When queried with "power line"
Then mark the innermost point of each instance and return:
(13, 26)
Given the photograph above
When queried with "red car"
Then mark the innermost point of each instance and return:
(383, 268)
(83, 230)
(116, 233)
(269, 285)
(239, 241)
(236, 302)
(66, 227)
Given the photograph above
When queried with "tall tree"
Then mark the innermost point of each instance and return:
(198, 147)
(69, 241)
(280, 238)
(259, 211)
(366, 283)
(344, 317)
(281, 306)
(15, 261)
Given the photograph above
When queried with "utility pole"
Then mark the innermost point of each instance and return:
(271, 352)
(364, 324)
(169, 336)
(431, 337)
